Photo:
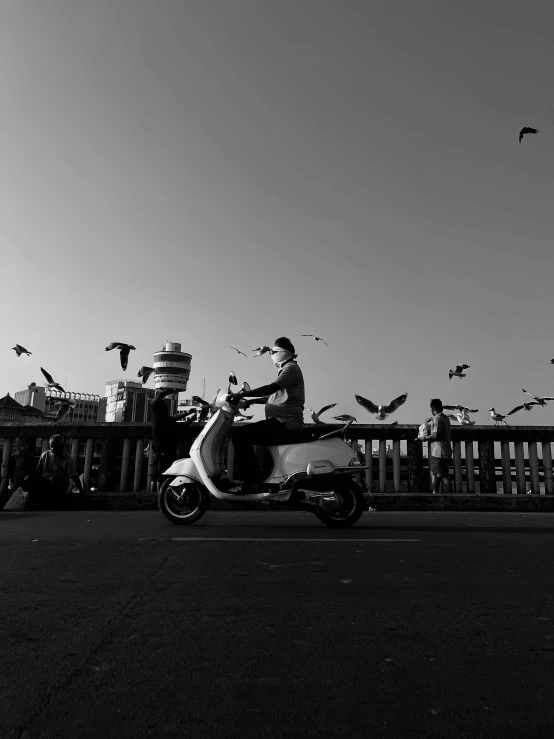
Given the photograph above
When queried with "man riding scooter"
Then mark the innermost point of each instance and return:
(284, 413)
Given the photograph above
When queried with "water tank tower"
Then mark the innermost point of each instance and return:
(171, 367)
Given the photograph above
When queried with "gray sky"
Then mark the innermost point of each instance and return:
(225, 172)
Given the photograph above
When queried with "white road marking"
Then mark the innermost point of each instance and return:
(224, 538)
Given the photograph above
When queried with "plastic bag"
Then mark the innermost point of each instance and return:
(424, 430)
(17, 501)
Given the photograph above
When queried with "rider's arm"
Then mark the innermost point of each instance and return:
(258, 401)
(262, 393)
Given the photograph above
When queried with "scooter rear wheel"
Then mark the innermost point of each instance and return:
(350, 510)
(194, 503)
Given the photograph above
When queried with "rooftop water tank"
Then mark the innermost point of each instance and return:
(172, 367)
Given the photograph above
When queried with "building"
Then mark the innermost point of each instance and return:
(13, 412)
(88, 409)
(127, 402)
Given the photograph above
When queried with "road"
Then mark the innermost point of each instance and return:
(119, 624)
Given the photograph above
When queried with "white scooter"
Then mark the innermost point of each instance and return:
(313, 472)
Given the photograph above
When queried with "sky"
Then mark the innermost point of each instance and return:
(223, 172)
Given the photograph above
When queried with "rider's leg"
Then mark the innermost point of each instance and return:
(264, 433)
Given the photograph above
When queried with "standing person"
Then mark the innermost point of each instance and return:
(284, 412)
(55, 470)
(164, 432)
(440, 447)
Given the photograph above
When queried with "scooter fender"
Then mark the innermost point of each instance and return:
(184, 468)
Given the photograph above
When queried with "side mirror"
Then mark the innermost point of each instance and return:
(245, 387)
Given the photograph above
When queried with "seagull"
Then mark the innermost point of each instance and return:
(145, 373)
(381, 411)
(316, 338)
(200, 401)
(66, 404)
(124, 350)
(461, 408)
(344, 418)
(315, 416)
(497, 417)
(552, 361)
(238, 350)
(51, 382)
(261, 350)
(526, 129)
(523, 406)
(461, 418)
(458, 371)
(233, 378)
(538, 399)
(19, 350)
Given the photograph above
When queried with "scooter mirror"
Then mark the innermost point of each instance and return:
(245, 387)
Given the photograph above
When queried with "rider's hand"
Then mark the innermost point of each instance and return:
(233, 398)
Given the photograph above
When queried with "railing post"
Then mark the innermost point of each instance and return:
(534, 467)
(125, 456)
(139, 451)
(8, 444)
(89, 450)
(470, 468)
(457, 463)
(75, 450)
(415, 466)
(506, 467)
(368, 450)
(151, 471)
(396, 465)
(108, 464)
(382, 465)
(547, 467)
(520, 467)
(487, 473)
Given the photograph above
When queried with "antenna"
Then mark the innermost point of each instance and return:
(204, 389)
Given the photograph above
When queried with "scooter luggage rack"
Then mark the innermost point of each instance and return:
(337, 432)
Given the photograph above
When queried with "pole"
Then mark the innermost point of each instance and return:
(204, 390)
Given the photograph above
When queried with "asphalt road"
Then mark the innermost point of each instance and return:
(119, 624)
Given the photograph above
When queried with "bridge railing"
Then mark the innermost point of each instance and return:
(118, 457)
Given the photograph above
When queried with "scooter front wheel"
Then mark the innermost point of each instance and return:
(348, 506)
(184, 505)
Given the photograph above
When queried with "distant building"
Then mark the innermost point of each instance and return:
(88, 409)
(127, 402)
(13, 412)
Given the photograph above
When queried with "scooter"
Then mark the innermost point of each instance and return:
(312, 472)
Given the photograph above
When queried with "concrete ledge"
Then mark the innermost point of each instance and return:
(379, 502)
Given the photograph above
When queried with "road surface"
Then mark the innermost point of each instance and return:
(120, 624)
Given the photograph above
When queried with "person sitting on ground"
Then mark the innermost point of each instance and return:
(440, 448)
(53, 475)
(284, 413)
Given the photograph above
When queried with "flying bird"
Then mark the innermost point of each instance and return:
(523, 406)
(344, 418)
(315, 416)
(461, 408)
(124, 350)
(498, 417)
(458, 371)
(19, 350)
(381, 411)
(538, 399)
(145, 373)
(316, 338)
(261, 350)
(526, 129)
(552, 361)
(238, 350)
(462, 419)
(66, 404)
(51, 382)
(233, 378)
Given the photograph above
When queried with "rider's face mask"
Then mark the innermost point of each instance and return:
(279, 355)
